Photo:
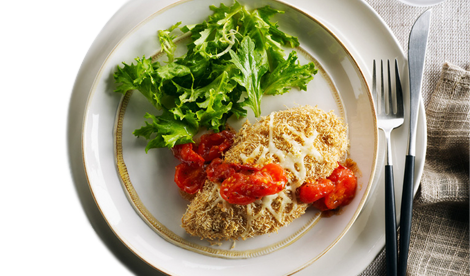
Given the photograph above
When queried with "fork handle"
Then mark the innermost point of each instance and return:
(391, 252)
(405, 214)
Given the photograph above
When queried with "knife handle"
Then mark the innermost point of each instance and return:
(405, 214)
(390, 223)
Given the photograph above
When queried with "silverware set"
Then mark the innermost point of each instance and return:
(389, 105)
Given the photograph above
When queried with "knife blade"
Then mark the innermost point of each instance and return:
(416, 55)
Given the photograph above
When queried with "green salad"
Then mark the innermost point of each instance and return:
(233, 58)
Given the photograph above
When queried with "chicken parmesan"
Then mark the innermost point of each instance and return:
(266, 175)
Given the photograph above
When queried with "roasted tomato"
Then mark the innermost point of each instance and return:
(320, 205)
(246, 186)
(313, 191)
(186, 154)
(189, 178)
(276, 177)
(345, 188)
(345, 183)
(241, 183)
(218, 170)
(213, 145)
(236, 189)
(190, 175)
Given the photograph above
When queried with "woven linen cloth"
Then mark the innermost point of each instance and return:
(439, 243)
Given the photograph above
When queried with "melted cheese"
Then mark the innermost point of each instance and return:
(219, 199)
(294, 159)
(260, 160)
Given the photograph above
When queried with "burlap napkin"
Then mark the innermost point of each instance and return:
(439, 242)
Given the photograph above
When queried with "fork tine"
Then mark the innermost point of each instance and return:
(374, 85)
(390, 91)
(381, 102)
(399, 91)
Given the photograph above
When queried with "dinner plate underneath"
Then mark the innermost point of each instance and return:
(360, 245)
(422, 3)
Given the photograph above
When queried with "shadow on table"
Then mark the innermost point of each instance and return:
(74, 139)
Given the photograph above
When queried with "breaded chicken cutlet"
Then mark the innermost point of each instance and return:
(306, 141)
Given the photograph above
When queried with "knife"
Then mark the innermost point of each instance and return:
(416, 55)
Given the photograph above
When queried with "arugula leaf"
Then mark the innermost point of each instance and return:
(252, 66)
(288, 74)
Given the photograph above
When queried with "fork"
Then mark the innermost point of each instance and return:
(389, 118)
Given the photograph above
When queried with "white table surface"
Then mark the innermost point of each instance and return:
(44, 229)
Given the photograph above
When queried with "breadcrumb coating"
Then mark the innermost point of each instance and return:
(279, 138)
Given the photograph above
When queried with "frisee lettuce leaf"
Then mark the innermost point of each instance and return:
(169, 130)
(166, 40)
(288, 74)
(233, 58)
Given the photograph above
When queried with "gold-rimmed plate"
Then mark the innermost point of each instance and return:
(153, 231)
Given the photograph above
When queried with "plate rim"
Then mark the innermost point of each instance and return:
(429, 3)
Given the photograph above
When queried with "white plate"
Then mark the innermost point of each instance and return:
(110, 199)
(421, 3)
